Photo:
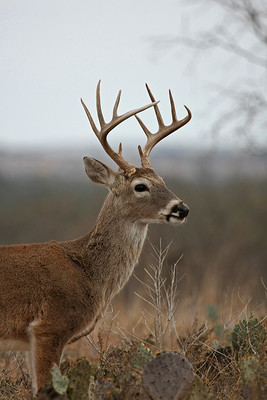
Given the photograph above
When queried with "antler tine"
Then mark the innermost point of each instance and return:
(156, 108)
(89, 116)
(105, 128)
(116, 105)
(173, 110)
(145, 129)
(163, 131)
(98, 106)
(175, 121)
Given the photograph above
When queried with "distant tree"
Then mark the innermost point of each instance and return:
(239, 31)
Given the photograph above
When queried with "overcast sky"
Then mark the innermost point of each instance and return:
(54, 52)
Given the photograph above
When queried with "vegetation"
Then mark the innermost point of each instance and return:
(205, 367)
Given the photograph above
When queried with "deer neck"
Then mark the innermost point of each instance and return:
(111, 250)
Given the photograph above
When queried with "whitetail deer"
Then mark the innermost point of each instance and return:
(53, 293)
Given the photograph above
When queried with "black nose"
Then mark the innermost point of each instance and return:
(182, 210)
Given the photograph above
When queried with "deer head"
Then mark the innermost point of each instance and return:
(143, 194)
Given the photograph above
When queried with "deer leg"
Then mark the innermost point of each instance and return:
(46, 349)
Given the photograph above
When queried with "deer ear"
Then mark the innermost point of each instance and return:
(98, 172)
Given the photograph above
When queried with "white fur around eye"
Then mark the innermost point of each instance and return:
(141, 187)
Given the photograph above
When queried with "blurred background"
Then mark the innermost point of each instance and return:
(213, 55)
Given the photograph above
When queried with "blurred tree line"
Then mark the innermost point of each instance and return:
(223, 242)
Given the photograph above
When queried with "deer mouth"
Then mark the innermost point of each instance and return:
(175, 219)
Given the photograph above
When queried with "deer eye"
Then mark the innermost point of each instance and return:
(140, 187)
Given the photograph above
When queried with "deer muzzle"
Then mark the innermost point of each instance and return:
(178, 213)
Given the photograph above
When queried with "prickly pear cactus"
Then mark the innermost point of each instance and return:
(248, 336)
(101, 389)
(168, 376)
(199, 390)
(59, 382)
(80, 377)
(139, 356)
(253, 378)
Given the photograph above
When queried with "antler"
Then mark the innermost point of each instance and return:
(105, 128)
(163, 131)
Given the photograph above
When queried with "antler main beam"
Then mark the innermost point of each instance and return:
(163, 131)
(105, 128)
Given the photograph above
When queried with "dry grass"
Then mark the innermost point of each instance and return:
(212, 358)
(162, 322)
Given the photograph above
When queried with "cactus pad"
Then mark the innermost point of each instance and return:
(168, 376)
(248, 336)
(251, 376)
(59, 382)
(199, 390)
(139, 356)
(79, 379)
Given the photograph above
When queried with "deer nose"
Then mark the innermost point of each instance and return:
(182, 210)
